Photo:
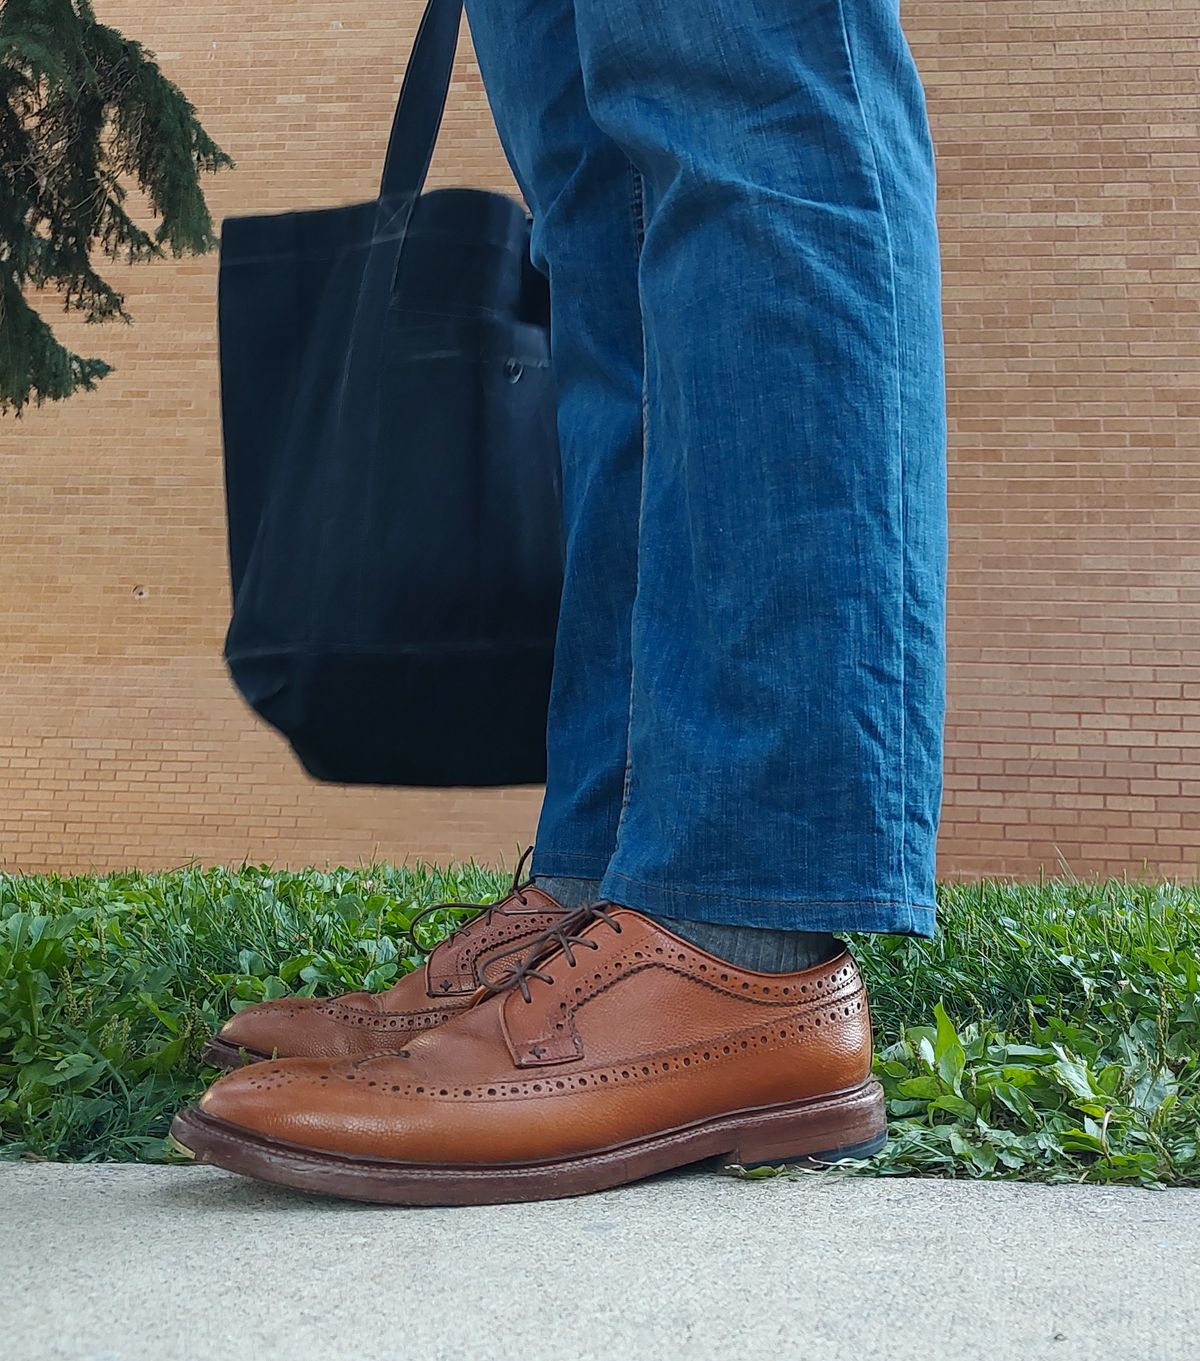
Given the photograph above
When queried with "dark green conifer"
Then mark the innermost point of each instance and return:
(84, 113)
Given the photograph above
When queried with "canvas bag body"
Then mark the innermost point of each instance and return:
(392, 470)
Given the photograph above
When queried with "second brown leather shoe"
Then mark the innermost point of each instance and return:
(612, 1051)
(367, 1023)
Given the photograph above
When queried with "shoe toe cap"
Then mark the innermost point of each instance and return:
(264, 1029)
(273, 1098)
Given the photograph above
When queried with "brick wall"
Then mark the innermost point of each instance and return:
(1070, 204)
(1070, 187)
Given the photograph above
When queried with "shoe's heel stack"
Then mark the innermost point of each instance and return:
(852, 1125)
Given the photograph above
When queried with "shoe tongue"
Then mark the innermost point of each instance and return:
(497, 964)
(451, 967)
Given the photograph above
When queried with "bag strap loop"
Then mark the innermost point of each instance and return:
(422, 102)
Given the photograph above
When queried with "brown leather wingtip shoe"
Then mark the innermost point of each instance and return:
(612, 1051)
(359, 1023)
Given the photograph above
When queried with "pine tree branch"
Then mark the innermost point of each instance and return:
(83, 111)
(34, 366)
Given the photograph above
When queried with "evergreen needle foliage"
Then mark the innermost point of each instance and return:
(84, 111)
(1049, 1032)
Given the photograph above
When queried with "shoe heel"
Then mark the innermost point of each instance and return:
(858, 1152)
(849, 1126)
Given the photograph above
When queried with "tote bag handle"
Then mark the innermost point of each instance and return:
(422, 100)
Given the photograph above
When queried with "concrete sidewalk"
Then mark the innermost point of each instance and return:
(121, 1263)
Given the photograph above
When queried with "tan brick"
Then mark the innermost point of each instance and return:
(1069, 206)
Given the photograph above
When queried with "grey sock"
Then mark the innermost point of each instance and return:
(747, 947)
(570, 892)
(756, 948)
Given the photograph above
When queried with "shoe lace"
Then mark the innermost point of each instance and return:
(482, 911)
(562, 938)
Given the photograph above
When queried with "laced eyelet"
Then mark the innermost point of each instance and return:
(556, 941)
(483, 911)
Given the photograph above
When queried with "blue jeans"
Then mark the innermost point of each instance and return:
(734, 203)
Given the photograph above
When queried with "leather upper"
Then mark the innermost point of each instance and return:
(640, 1033)
(365, 1023)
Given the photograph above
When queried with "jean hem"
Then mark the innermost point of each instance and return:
(568, 864)
(899, 917)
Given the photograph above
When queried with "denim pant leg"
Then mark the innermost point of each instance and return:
(585, 196)
(788, 630)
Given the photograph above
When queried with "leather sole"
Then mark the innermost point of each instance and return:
(850, 1124)
(221, 1054)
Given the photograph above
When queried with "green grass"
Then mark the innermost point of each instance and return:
(1049, 1032)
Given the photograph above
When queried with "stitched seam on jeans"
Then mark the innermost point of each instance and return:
(570, 878)
(569, 855)
(637, 206)
(781, 902)
(868, 133)
(637, 215)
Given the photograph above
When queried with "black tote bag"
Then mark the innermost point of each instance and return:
(392, 469)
